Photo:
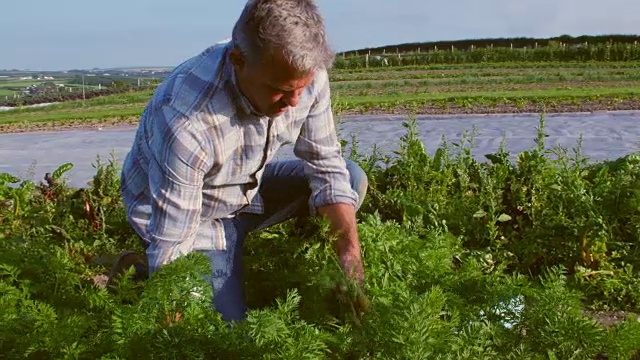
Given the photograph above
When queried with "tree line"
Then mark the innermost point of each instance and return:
(554, 52)
(515, 42)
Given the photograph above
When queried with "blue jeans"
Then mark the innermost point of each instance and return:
(286, 192)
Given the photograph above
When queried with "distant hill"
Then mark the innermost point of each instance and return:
(518, 42)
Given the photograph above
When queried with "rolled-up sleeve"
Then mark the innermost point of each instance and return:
(176, 172)
(319, 148)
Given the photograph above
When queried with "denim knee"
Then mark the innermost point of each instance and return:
(359, 180)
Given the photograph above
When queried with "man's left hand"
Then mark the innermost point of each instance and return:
(343, 223)
(347, 246)
(351, 264)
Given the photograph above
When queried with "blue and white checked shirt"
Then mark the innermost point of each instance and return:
(200, 150)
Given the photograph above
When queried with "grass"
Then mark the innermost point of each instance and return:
(79, 114)
(579, 92)
(561, 65)
(464, 259)
(498, 74)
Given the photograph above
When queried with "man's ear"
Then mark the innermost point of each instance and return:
(237, 59)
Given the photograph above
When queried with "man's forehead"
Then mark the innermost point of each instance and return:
(285, 77)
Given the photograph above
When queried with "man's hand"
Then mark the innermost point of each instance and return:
(343, 222)
(351, 263)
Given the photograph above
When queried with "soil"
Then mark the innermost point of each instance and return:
(611, 318)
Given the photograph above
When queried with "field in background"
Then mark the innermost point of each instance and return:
(487, 88)
(24, 89)
(506, 87)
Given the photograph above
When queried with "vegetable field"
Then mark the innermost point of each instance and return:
(536, 259)
(491, 87)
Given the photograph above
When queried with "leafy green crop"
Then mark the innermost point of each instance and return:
(464, 259)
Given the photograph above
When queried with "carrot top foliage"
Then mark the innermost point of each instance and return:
(464, 259)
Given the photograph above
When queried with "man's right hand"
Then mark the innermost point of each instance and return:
(353, 300)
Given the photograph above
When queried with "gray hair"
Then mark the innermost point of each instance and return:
(294, 27)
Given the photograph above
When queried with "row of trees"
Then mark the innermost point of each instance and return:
(552, 52)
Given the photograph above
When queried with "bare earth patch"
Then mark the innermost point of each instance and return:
(611, 318)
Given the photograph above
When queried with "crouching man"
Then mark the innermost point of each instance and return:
(200, 175)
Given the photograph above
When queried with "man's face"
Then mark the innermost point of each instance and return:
(270, 87)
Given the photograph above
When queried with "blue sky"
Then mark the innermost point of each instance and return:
(74, 34)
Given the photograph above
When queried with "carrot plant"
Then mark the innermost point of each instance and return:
(463, 258)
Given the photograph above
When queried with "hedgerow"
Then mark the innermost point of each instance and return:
(505, 258)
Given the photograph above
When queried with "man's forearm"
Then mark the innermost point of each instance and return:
(343, 222)
(342, 218)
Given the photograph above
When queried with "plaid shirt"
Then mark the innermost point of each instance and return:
(200, 150)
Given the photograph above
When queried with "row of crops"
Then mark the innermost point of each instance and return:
(585, 52)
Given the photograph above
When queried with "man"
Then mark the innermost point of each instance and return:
(199, 176)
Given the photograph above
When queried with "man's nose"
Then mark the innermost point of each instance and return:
(293, 97)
